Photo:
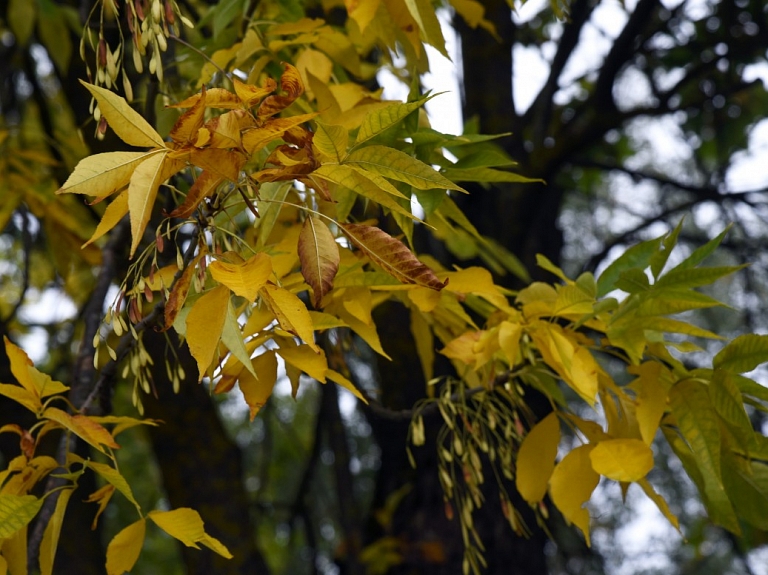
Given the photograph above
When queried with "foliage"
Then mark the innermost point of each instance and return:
(257, 205)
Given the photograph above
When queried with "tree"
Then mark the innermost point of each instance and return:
(260, 208)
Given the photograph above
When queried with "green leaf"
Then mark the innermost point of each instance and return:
(747, 485)
(700, 427)
(352, 179)
(486, 175)
(635, 257)
(331, 140)
(672, 301)
(729, 405)
(660, 258)
(398, 165)
(701, 253)
(271, 194)
(232, 337)
(633, 281)
(689, 278)
(382, 119)
(743, 354)
(16, 511)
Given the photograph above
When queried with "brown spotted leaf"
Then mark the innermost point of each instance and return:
(291, 85)
(391, 255)
(319, 257)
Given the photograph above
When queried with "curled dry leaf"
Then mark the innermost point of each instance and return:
(391, 255)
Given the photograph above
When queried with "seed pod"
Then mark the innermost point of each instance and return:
(127, 88)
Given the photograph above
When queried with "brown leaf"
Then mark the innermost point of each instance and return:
(179, 291)
(319, 257)
(290, 83)
(186, 127)
(257, 138)
(391, 255)
(204, 186)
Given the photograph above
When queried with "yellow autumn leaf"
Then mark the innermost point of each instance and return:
(205, 324)
(302, 357)
(291, 313)
(622, 459)
(362, 11)
(102, 174)
(125, 547)
(660, 502)
(81, 425)
(52, 532)
(20, 395)
(536, 459)
(571, 485)
(115, 212)
(16, 511)
(142, 191)
(126, 122)
(186, 525)
(23, 369)
(339, 379)
(186, 127)
(509, 340)
(651, 392)
(245, 279)
(256, 391)
(478, 281)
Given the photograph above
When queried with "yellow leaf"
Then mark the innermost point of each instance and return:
(338, 378)
(52, 532)
(16, 511)
(660, 502)
(205, 323)
(20, 395)
(622, 459)
(244, 279)
(102, 174)
(509, 340)
(424, 14)
(358, 302)
(315, 63)
(22, 368)
(126, 122)
(85, 428)
(651, 392)
(391, 255)
(462, 348)
(142, 192)
(256, 391)
(571, 486)
(115, 212)
(319, 257)
(256, 139)
(250, 95)
(311, 362)
(424, 298)
(478, 281)
(291, 313)
(362, 11)
(536, 459)
(102, 496)
(125, 547)
(186, 525)
(214, 98)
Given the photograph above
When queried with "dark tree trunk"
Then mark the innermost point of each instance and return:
(201, 467)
